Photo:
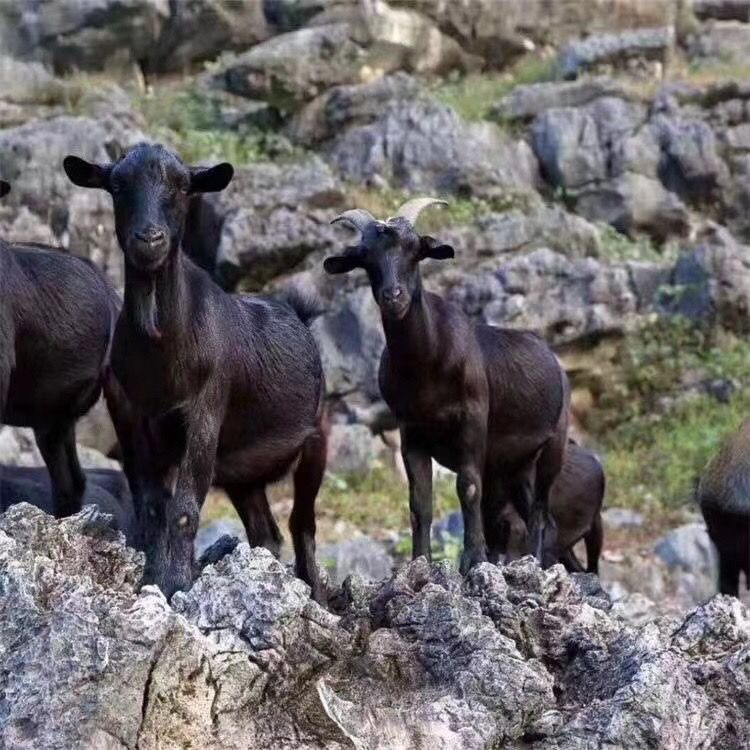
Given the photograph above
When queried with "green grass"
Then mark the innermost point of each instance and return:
(660, 359)
(652, 461)
(653, 451)
(473, 95)
(616, 246)
(385, 202)
(378, 500)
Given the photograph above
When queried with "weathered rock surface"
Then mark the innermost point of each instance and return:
(202, 29)
(712, 283)
(500, 30)
(390, 131)
(91, 35)
(615, 50)
(267, 222)
(722, 10)
(44, 205)
(507, 655)
(294, 68)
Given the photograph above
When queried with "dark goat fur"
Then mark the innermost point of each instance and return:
(107, 489)
(575, 504)
(57, 315)
(205, 385)
(723, 494)
(489, 403)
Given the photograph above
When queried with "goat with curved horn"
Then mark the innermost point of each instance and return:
(414, 207)
(356, 218)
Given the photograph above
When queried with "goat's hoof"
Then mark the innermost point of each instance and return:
(469, 559)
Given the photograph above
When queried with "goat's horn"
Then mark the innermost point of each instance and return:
(357, 218)
(411, 209)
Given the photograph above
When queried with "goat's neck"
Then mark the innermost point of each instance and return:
(157, 302)
(412, 340)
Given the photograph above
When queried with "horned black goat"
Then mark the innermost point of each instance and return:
(57, 316)
(205, 385)
(489, 403)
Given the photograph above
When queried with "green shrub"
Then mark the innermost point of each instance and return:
(616, 246)
(190, 122)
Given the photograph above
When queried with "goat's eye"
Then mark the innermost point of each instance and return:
(183, 521)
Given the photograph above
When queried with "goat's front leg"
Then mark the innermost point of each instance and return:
(418, 463)
(194, 477)
(469, 489)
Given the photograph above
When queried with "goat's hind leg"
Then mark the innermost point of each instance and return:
(251, 504)
(58, 448)
(543, 531)
(307, 479)
(594, 539)
(496, 525)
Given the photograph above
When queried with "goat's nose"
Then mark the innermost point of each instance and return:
(151, 236)
(392, 294)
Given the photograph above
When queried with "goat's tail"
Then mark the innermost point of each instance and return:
(306, 305)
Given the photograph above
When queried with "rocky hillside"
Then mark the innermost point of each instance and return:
(596, 158)
(510, 656)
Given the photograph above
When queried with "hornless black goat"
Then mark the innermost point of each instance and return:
(107, 489)
(57, 316)
(575, 504)
(488, 403)
(210, 385)
(724, 498)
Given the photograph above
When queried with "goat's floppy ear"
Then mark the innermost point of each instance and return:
(212, 179)
(4, 188)
(342, 263)
(429, 247)
(86, 174)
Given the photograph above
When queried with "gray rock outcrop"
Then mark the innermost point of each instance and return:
(507, 655)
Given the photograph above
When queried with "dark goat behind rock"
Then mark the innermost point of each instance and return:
(724, 498)
(205, 385)
(489, 403)
(57, 316)
(575, 504)
(107, 489)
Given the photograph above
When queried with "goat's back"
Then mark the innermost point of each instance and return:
(577, 494)
(525, 380)
(725, 482)
(107, 489)
(63, 311)
(277, 389)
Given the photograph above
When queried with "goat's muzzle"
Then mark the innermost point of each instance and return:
(148, 249)
(394, 302)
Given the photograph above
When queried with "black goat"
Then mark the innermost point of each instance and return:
(488, 403)
(57, 316)
(724, 498)
(206, 385)
(107, 489)
(575, 504)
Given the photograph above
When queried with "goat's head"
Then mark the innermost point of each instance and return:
(390, 252)
(150, 188)
(4, 188)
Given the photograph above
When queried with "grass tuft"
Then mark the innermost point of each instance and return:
(473, 96)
